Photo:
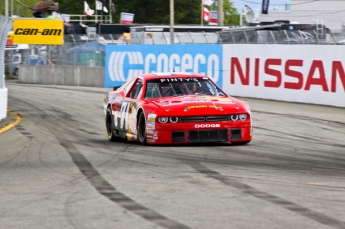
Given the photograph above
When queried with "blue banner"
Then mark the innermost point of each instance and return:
(265, 5)
(125, 61)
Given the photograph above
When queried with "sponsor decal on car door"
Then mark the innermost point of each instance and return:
(125, 119)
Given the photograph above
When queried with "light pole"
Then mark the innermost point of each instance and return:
(171, 21)
(6, 8)
(220, 13)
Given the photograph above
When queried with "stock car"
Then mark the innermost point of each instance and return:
(175, 108)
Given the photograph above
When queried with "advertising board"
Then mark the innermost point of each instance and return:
(38, 31)
(124, 62)
(126, 18)
(11, 46)
(307, 74)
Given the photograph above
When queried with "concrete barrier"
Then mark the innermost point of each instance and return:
(3, 103)
(62, 75)
(3, 98)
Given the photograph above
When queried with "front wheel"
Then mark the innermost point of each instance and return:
(142, 129)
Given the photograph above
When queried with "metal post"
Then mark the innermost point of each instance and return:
(241, 18)
(220, 13)
(110, 13)
(171, 21)
(202, 14)
(96, 17)
(102, 10)
(6, 8)
(11, 8)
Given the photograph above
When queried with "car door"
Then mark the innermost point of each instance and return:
(126, 121)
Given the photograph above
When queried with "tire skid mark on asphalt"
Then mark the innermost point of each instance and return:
(307, 118)
(247, 189)
(102, 185)
(24, 132)
(318, 141)
(335, 164)
(295, 164)
(324, 128)
(109, 191)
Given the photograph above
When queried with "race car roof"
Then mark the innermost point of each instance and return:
(172, 75)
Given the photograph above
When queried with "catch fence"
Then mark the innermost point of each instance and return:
(81, 50)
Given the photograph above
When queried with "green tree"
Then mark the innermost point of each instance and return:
(155, 11)
(148, 11)
(19, 8)
(231, 16)
(158, 12)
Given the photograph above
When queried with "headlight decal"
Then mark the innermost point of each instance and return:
(163, 119)
(173, 119)
(238, 117)
(234, 117)
(242, 116)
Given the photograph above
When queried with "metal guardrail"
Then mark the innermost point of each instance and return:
(94, 18)
(276, 37)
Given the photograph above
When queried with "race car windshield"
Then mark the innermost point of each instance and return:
(180, 86)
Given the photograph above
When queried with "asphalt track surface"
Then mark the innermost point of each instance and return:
(58, 170)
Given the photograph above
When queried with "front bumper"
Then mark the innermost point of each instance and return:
(199, 132)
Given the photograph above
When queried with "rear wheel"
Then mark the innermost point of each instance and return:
(142, 129)
(240, 143)
(109, 126)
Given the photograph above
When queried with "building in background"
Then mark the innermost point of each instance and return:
(324, 12)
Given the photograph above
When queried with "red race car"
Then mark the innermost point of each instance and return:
(175, 108)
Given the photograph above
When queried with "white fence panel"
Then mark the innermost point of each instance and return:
(296, 73)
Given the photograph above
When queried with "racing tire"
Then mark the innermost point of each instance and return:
(142, 129)
(239, 143)
(108, 124)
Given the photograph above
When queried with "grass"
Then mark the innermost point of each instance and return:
(7, 77)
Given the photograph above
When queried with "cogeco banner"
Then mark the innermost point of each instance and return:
(124, 62)
(38, 31)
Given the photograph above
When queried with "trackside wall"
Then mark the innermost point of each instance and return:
(296, 73)
(62, 75)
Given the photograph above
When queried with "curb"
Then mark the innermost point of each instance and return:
(13, 119)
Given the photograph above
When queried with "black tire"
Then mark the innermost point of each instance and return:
(240, 143)
(109, 127)
(142, 129)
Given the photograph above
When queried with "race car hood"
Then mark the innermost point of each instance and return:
(198, 105)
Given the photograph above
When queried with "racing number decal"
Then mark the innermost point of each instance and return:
(124, 115)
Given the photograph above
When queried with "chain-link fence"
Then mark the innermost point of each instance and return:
(5, 27)
(81, 50)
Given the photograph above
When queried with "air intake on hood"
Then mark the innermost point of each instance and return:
(192, 119)
(205, 119)
(217, 118)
